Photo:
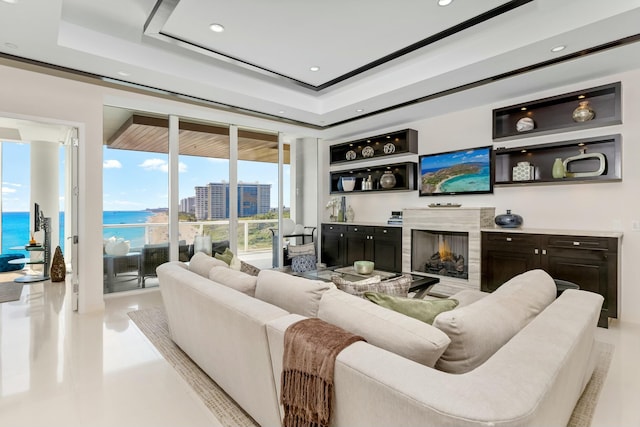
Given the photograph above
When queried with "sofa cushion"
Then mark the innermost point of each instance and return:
(478, 330)
(423, 310)
(295, 294)
(386, 329)
(356, 288)
(201, 263)
(234, 279)
(398, 286)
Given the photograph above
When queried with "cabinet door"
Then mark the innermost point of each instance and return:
(387, 248)
(358, 245)
(332, 238)
(587, 262)
(505, 255)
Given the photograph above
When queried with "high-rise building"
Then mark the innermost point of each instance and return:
(212, 201)
(188, 205)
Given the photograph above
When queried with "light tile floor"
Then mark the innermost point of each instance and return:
(60, 368)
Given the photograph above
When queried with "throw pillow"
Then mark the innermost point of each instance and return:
(302, 263)
(297, 250)
(245, 267)
(226, 256)
(117, 247)
(356, 288)
(398, 287)
(424, 310)
(235, 263)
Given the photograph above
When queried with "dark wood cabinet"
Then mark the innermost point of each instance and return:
(588, 261)
(345, 244)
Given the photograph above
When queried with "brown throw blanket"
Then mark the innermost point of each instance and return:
(310, 350)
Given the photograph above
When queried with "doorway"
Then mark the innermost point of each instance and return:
(38, 164)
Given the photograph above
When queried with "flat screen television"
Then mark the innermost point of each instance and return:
(36, 217)
(468, 171)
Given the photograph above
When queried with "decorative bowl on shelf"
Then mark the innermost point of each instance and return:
(363, 267)
(348, 183)
(508, 220)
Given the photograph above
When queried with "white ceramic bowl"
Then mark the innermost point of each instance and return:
(348, 183)
(363, 267)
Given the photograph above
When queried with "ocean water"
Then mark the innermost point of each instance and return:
(16, 227)
(470, 182)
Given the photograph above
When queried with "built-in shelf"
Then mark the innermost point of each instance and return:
(541, 157)
(386, 145)
(405, 174)
(555, 114)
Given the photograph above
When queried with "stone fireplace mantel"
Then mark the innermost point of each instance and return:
(448, 219)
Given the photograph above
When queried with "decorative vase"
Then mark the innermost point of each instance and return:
(58, 266)
(350, 214)
(523, 171)
(343, 210)
(558, 170)
(388, 180)
(583, 113)
(508, 220)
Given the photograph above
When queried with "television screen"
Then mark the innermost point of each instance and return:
(467, 171)
(36, 217)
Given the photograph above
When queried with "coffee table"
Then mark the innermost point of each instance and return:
(419, 284)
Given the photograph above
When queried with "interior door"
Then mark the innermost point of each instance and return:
(72, 208)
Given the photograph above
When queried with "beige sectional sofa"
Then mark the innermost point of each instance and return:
(516, 357)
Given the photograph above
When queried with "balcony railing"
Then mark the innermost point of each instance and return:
(253, 235)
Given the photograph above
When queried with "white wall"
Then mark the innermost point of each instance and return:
(597, 206)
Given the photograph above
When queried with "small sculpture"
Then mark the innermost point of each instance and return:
(58, 267)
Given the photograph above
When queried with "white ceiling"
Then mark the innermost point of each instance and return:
(261, 62)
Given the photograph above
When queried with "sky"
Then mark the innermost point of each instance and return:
(134, 180)
(149, 172)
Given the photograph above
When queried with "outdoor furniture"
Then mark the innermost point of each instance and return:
(152, 255)
(302, 234)
(120, 265)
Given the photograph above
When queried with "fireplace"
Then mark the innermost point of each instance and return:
(443, 253)
(447, 245)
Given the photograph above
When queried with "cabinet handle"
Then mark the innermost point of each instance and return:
(341, 235)
(384, 231)
(576, 243)
(536, 251)
(544, 252)
(355, 229)
(509, 239)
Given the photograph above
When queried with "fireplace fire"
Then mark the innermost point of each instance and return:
(441, 253)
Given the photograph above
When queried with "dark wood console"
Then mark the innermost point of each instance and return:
(590, 261)
(342, 244)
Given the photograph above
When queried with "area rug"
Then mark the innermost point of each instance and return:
(10, 291)
(153, 323)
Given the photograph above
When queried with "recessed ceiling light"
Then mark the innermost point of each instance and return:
(281, 112)
(216, 28)
(10, 1)
(524, 108)
(123, 73)
(360, 110)
(315, 68)
(558, 48)
(444, 2)
(10, 45)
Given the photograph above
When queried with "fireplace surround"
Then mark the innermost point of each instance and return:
(458, 227)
